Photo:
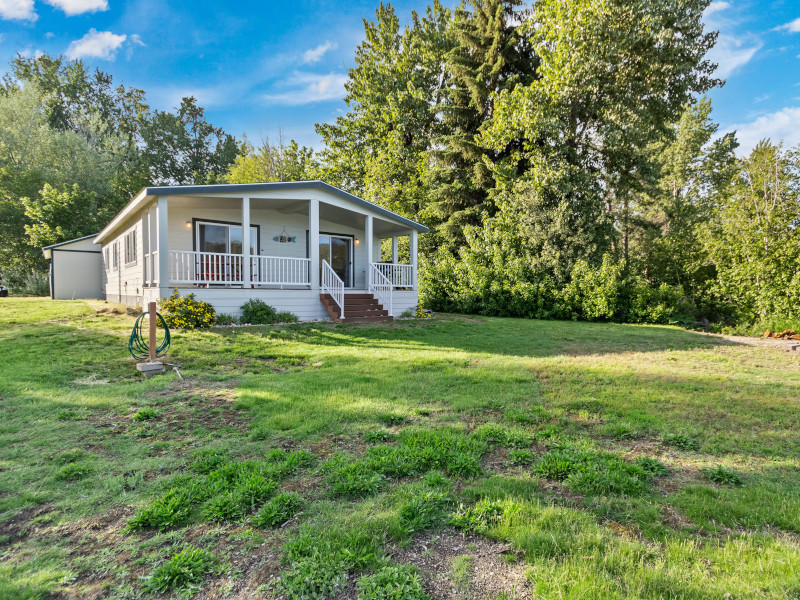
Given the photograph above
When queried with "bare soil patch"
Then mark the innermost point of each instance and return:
(493, 567)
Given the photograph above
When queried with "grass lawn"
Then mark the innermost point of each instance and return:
(447, 458)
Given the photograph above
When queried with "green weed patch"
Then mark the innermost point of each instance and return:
(184, 572)
(220, 490)
(588, 471)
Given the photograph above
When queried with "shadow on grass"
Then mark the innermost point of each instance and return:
(507, 336)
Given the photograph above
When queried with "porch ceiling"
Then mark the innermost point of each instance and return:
(327, 212)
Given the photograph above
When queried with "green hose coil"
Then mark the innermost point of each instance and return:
(138, 344)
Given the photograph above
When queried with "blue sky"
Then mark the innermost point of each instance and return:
(261, 67)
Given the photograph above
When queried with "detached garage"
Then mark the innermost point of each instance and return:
(76, 269)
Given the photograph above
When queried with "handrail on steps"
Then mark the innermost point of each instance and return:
(381, 286)
(332, 284)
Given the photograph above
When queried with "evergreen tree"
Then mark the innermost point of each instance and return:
(378, 148)
(488, 56)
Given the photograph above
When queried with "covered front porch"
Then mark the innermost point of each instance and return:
(276, 245)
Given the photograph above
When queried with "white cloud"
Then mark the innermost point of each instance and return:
(17, 10)
(311, 87)
(781, 125)
(314, 54)
(791, 26)
(96, 44)
(78, 7)
(730, 53)
(29, 52)
(715, 7)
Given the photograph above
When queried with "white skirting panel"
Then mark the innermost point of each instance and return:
(403, 300)
(303, 303)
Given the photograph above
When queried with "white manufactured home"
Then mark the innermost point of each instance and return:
(304, 247)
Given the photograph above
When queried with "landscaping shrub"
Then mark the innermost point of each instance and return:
(608, 291)
(723, 476)
(286, 317)
(186, 312)
(279, 510)
(391, 583)
(258, 312)
(34, 283)
(226, 319)
(184, 572)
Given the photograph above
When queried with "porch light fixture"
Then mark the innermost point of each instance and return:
(356, 241)
(188, 224)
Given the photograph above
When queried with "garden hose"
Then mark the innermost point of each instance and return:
(138, 344)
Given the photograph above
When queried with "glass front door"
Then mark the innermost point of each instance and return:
(338, 251)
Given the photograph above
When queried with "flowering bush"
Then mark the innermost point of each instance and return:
(186, 312)
(421, 314)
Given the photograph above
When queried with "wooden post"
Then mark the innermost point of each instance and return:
(152, 307)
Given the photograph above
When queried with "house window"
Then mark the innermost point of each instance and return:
(130, 247)
(115, 254)
(106, 260)
(224, 238)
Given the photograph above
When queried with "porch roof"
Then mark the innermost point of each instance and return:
(233, 188)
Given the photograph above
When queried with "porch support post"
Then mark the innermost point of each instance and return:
(394, 250)
(368, 248)
(152, 246)
(246, 283)
(414, 259)
(162, 233)
(313, 243)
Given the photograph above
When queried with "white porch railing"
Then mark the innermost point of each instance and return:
(400, 276)
(332, 284)
(381, 286)
(151, 268)
(198, 268)
(280, 270)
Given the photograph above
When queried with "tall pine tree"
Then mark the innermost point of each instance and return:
(489, 55)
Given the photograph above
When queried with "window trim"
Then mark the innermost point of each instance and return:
(196, 221)
(134, 250)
